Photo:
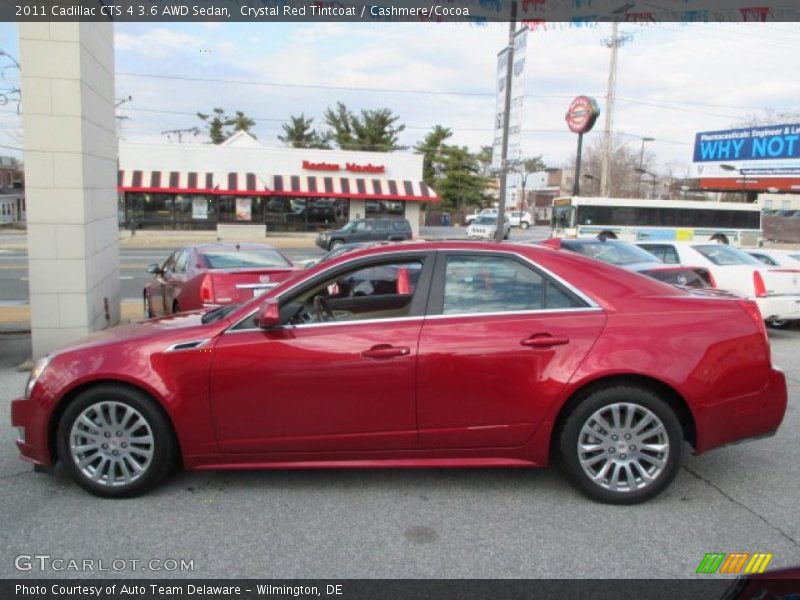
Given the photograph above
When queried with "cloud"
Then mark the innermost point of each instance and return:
(672, 80)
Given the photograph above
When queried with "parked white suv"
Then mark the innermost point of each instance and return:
(484, 228)
(521, 219)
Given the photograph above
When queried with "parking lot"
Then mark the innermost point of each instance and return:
(422, 523)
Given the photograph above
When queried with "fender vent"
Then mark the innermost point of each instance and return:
(187, 345)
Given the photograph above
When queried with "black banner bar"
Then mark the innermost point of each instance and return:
(537, 13)
(702, 588)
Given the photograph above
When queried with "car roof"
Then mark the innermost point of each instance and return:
(208, 246)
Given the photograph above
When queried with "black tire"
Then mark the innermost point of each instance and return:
(641, 401)
(719, 237)
(524, 225)
(175, 307)
(163, 447)
(606, 235)
(778, 323)
(507, 235)
(335, 244)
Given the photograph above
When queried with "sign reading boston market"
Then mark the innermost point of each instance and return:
(769, 142)
(351, 167)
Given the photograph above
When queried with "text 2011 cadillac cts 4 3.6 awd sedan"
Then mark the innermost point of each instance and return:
(421, 355)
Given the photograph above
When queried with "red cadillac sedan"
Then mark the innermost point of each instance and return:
(209, 275)
(444, 354)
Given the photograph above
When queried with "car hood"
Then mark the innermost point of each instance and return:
(170, 326)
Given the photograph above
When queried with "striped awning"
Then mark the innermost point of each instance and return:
(352, 187)
(251, 184)
(192, 182)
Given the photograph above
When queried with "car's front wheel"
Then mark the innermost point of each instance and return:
(524, 225)
(115, 441)
(622, 445)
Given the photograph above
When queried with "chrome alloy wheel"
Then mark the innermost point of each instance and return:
(623, 447)
(111, 443)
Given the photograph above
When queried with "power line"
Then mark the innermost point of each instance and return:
(304, 85)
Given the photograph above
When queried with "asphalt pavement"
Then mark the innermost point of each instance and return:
(437, 523)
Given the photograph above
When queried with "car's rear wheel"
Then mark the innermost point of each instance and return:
(622, 445)
(778, 323)
(115, 442)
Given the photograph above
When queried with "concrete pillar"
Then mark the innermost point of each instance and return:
(70, 147)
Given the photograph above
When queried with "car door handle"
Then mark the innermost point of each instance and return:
(386, 351)
(545, 341)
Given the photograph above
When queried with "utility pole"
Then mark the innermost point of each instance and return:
(614, 42)
(180, 133)
(501, 212)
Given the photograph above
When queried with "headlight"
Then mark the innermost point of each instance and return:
(36, 372)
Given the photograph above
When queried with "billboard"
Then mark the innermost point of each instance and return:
(517, 97)
(765, 151)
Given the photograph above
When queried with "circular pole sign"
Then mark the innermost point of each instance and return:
(582, 114)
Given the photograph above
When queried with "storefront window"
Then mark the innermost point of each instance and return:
(385, 208)
(305, 214)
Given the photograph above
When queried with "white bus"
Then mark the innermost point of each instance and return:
(637, 219)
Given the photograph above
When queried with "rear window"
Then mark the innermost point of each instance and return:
(691, 278)
(723, 255)
(245, 258)
(612, 253)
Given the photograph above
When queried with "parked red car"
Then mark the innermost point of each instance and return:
(210, 275)
(438, 354)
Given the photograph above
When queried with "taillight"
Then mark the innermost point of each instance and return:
(207, 289)
(758, 284)
(751, 308)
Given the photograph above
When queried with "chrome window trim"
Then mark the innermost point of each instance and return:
(198, 344)
(517, 312)
(591, 304)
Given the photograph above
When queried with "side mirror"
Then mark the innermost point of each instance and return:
(154, 269)
(269, 315)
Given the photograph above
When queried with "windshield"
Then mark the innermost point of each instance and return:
(219, 313)
(245, 258)
(563, 217)
(615, 253)
(485, 220)
(723, 255)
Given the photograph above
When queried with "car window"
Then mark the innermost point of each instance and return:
(231, 258)
(764, 259)
(180, 262)
(612, 252)
(364, 226)
(169, 264)
(723, 255)
(379, 291)
(483, 284)
(664, 252)
(399, 225)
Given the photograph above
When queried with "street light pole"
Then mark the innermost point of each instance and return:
(641, 164)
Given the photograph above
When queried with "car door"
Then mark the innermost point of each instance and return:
(499, 343)
(175, 280)
(314, 385)
(158, 285)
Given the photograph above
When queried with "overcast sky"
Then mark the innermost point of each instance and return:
(673, 79)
